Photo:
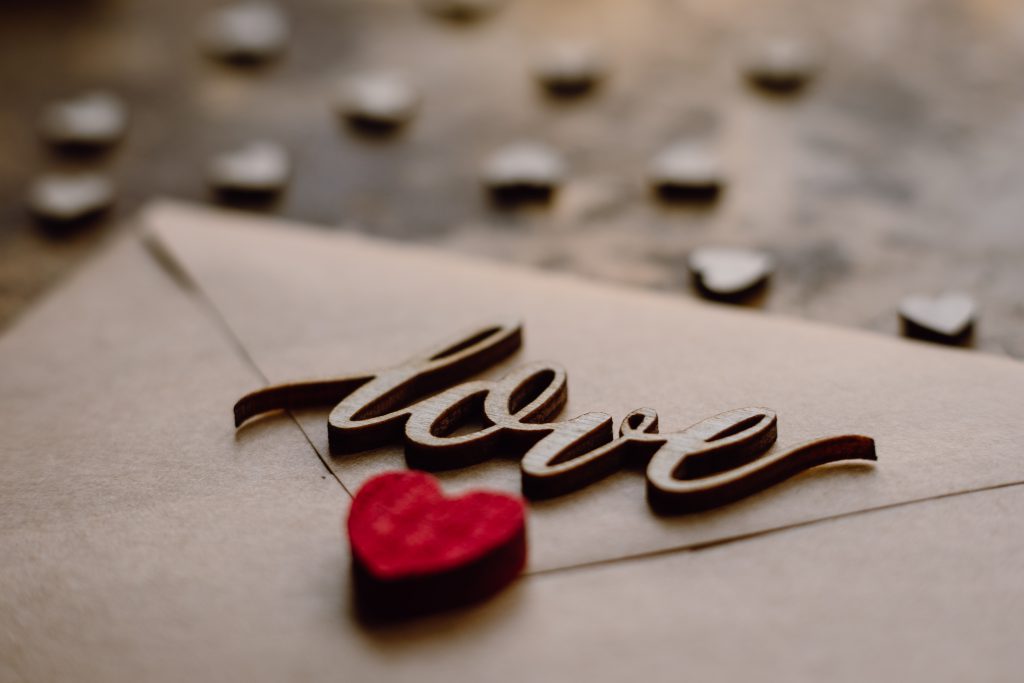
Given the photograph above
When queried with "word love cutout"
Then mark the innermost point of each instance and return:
(426, 400)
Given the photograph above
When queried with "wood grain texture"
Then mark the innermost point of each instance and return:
(276, 286)
(393, 388)
(714, 462)
(859, 186)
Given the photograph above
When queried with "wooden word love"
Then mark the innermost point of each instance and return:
(428, 402)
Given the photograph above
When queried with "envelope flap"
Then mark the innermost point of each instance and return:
(313, 303)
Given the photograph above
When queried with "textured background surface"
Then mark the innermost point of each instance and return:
(898, 171)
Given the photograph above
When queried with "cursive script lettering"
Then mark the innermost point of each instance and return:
(428, 402)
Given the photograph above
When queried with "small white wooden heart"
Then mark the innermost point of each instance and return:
(947, 315)
(259, 166)
(524, 163)
(381, 99)
(94, 119)
(726, 271)
(686, 166)
(569, 68)
(783, 64)
(249, 30)
(66, 198)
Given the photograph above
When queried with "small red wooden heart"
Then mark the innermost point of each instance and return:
(416, 551)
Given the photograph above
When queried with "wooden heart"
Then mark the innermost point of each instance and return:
(95, 119)
(523, 173)
(728, 274)
(781, 66)
(256, 168)
(569, 69)
(948, 318)
(378, 103)
(414, 550)
(66, 199)
(686, 171)
(246, 32)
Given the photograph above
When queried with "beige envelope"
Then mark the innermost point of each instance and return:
(142, 539)
(308, 303)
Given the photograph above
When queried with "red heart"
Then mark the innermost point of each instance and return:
(416, 551)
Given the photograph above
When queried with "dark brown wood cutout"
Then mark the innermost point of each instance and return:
(426, 401)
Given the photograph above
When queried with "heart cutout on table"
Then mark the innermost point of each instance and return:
(86, 122)
(781, 66)
(378, 103)
(569, 69)
(729, 274)
(523, 173)
(63, 200)
(686, 172)
(415, 551)
(246, 32)
(255, 169)
(948, 318)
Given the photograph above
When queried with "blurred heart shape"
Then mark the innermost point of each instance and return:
(725, 272)
(256, 167)
(947, 317)
(93, 119)
(67, 198)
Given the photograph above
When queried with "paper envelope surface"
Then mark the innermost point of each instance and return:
(310, 304)
(142, 539)
(133, 526)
